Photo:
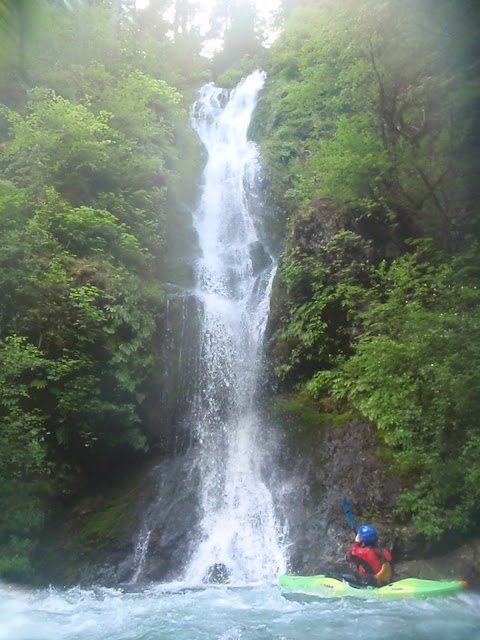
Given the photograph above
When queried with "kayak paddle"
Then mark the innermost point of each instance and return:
(350, 519)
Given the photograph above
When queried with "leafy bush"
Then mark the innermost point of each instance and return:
(415, 375)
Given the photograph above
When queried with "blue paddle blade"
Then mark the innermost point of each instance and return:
(350, 519)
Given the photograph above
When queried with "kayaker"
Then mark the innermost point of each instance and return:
(373, 564)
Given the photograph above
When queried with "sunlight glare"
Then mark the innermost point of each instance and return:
(265, 10)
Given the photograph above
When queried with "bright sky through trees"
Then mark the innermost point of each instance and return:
(265, 9)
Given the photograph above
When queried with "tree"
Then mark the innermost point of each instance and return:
(377, 106)
(19, 19)
(184, 12)
(23, 456)
(59, 144)
(238, 25)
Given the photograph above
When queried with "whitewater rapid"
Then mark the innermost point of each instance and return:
(261, 612)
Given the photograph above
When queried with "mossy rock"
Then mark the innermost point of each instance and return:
(100, 529)
(94, 532)
(303, 417)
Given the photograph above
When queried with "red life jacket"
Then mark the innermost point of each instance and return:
(368, 560)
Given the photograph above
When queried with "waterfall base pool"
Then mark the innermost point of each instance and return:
(255, 612)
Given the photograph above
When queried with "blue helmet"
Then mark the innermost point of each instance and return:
(367, 533)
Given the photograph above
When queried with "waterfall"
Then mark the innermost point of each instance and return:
(240, 537)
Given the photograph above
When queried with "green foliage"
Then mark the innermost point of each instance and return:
(367, 124)
(81, 302)
(23, 507)
(323, 286)
(22, 438)
(231, 76)
(23, 455)
(58, 144)
(95, 153)
(415, 373)
(366, 104)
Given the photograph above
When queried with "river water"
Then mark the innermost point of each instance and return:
(256, 612)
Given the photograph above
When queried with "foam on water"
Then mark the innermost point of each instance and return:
(256, 612)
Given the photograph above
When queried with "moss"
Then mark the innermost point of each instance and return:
(298, 412)
(385, 454)
(306, 413)
(101, 528)
(305, 421)
(230, 78)
(94, 532)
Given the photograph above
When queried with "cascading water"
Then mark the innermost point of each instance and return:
(240, 534)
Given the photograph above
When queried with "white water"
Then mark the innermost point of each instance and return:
(239, 529)
(221, 613)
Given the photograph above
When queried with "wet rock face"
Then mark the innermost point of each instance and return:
(333, 459)
(342, 465)
(166, 408)
(259, 257)
(462, 563)
(132, 532)
(218, 573)
(166, 523)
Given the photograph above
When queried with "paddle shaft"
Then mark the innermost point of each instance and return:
(350, 519)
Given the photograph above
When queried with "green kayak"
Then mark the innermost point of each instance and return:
(407, 587)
